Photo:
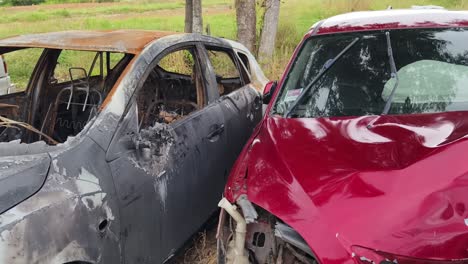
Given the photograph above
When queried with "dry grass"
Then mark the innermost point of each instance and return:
(288, 37)
(202, 251)
(274, 68)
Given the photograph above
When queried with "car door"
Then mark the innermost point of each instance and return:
(169, 185)
(239, 101)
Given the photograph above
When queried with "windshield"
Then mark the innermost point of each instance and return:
(431, 67)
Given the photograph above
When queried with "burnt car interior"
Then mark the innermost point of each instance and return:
(175, 87)
(58, 96)
(228, 77)
(57, 92)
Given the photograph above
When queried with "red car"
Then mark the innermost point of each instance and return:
(361, 155)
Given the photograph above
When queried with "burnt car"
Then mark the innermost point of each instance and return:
(360, 156)
(116, 145)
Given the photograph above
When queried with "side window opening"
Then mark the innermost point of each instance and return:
(173, 90)
(227, 73)
(67, 96)
(91, 62)
(80, 82)
(113, 60)
(245, 65)
(98, 65)
(17, 69)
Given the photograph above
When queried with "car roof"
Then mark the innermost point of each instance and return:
(125, 41)
(391, 19)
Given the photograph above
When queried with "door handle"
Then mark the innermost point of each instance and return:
(219, 129)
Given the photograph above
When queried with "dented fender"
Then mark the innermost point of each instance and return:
(404, 194)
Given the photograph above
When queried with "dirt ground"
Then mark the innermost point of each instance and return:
(201, 249)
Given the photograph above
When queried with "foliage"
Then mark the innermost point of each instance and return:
(23, 2)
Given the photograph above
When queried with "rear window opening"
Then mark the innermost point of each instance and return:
(54, 94)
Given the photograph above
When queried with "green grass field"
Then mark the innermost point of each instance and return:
(295, 18)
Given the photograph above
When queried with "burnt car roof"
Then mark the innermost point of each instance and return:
(391, 19)
(126, 41)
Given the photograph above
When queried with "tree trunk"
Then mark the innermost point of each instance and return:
(246, 23)
(197, 26)
(269, 30)
(188, 16)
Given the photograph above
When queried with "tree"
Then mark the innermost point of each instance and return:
(246, 23)
(269, 30)
(193, 16)
(197, 26)
(188, 16)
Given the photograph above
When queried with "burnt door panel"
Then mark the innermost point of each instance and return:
(170, 183)
(163, 186)
(140, 217)
(193, 185)
(139, 204)
(242, 112)
(239, 102)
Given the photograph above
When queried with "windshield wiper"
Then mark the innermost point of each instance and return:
(394, 74)
(324, 69)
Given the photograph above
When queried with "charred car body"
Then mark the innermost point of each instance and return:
(111, 140)
(359, 158)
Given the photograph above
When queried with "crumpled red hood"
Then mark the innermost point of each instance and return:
(393, 183)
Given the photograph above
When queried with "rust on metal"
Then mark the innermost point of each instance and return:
(125, 41)
(116, 85)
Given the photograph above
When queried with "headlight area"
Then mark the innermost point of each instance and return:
(249, 234)
(364, 255)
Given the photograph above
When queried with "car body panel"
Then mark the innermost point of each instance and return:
(60, 223)
(128, 41)
(5, 83)
(321, 185)
(391, 19)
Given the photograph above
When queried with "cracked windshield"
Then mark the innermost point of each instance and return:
(431, 74)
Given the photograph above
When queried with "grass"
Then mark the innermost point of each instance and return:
(45, 14)
(295, 19)
(203, 250)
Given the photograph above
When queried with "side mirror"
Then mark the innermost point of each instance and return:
(269, 90)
